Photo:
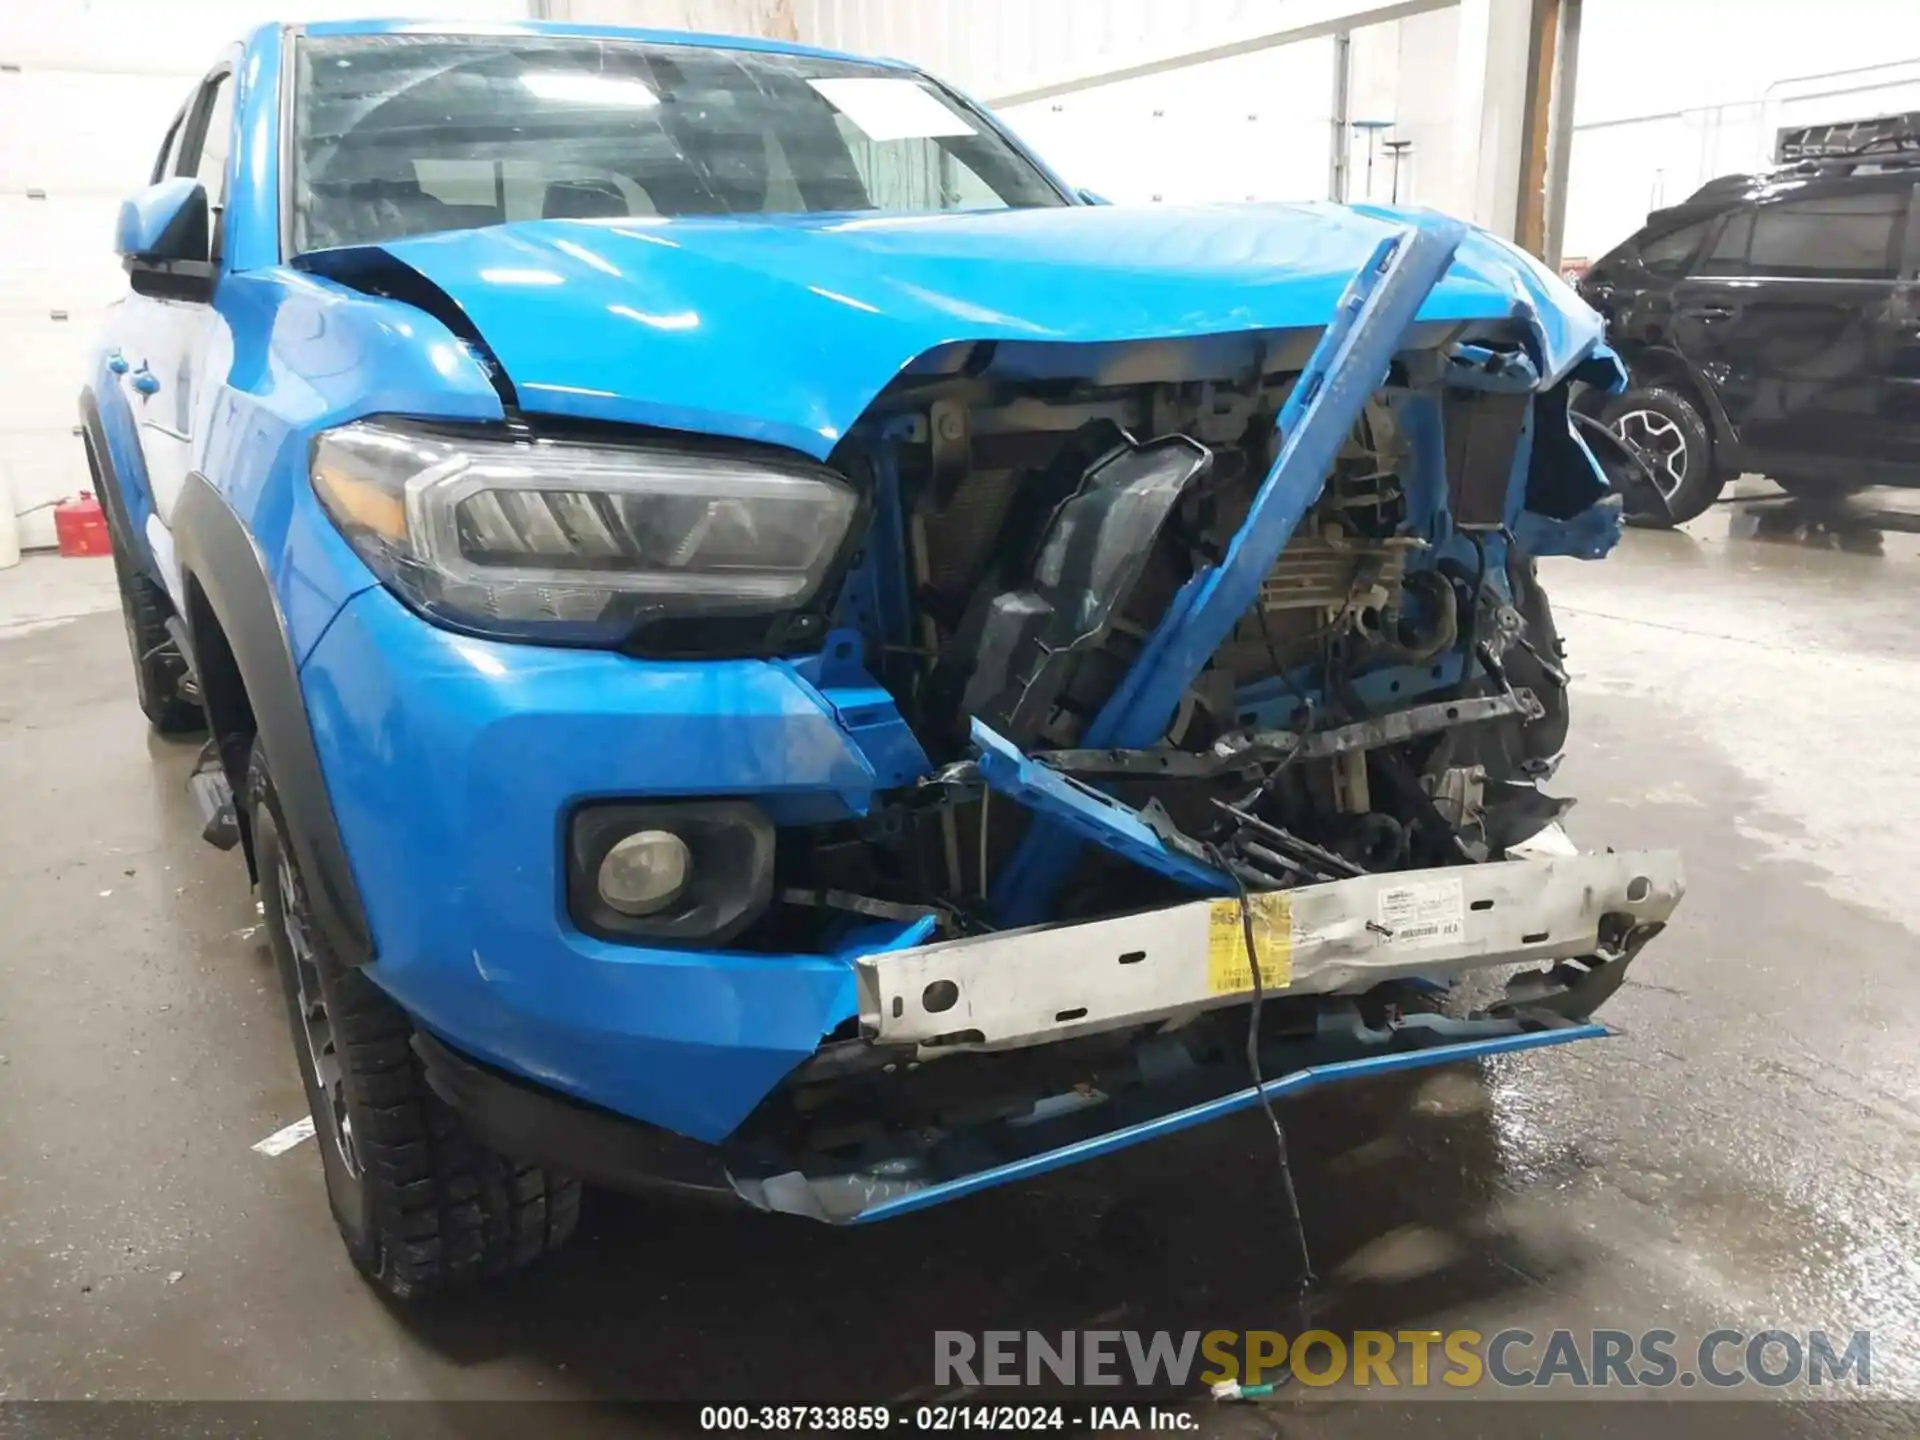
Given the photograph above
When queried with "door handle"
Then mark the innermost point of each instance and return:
(1709, 313)
(145, 381)
(116, 362)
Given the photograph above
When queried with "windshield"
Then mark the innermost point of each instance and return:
(403, 134)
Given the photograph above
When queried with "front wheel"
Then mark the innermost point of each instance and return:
(1670, 435)
(420, 1204)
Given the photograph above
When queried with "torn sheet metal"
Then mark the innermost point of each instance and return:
(1085, 813)
(1248, 747)
(1347, 365)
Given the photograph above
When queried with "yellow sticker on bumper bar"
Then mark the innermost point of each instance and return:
(1227, 970)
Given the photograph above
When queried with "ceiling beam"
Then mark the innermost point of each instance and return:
(1310, 20)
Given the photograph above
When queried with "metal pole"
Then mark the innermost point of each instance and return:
(1342, 86)
(1566, 78)
(1398, 149)
(1536, 125)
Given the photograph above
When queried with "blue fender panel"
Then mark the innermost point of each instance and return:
(453, 763)
(294, 355)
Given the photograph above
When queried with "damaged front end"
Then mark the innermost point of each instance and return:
(1171, 730)
(1175, 655)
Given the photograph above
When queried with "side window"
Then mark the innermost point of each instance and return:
(209, 138)
(1910, 265)
(1728, 255)
(1668, 254)
(216, 139)
(1854, 237)
(169, 150)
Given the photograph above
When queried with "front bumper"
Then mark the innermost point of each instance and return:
(1029, 987)
(1121, 1019)
(541, 1126)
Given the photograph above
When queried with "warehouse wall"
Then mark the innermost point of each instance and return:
(1404, 77)
(1672, 94)
(1254, 127)
(86, 93)
(986, 47)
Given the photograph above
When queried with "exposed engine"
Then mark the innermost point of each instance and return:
(1391, 700)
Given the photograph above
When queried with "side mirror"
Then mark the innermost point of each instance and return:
(164, 241)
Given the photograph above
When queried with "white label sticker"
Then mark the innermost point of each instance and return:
(889, 109)
(1425, 912)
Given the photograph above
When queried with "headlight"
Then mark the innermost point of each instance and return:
(550, 540)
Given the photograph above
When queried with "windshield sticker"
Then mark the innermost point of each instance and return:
(888, 109)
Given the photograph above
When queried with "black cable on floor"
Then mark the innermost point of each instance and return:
(1288, 1194)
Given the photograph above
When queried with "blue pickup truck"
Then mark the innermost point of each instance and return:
(758, 644)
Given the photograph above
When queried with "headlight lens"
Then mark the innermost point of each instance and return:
(554, 540)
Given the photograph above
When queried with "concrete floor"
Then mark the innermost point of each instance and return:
(1745, 1153)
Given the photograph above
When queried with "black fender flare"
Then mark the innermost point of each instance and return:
(106, 483)
(222, 567)
(1670, 361)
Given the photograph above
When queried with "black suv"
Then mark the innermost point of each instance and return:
(1771, 323)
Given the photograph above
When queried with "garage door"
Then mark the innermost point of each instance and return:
(73, 142)
(86, 92)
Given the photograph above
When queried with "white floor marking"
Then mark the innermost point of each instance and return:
(285, 1139)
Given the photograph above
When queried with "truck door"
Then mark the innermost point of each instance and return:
(166, 347)
(1901, 384)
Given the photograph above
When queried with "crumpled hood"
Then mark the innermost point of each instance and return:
(784, 328)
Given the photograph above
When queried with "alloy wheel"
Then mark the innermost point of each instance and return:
(1659, 441)
(334, 1124)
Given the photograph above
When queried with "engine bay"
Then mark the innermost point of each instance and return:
(1393, 698)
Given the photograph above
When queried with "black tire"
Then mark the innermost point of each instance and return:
(158, 667)
(1664, 426)
(421, 1206)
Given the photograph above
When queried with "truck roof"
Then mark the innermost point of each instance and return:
(760, 43)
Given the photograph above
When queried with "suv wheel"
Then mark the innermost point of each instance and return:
(419, 1203)
(158, 667)
(1665, 429)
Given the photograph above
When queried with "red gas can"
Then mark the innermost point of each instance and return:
(81, 526)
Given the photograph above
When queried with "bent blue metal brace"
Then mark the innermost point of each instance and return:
(887, 1207)
(1347, 365)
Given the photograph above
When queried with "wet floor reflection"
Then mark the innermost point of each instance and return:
(1399, 1178)
(1876, 522)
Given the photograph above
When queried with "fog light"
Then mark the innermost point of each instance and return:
(645, 872)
